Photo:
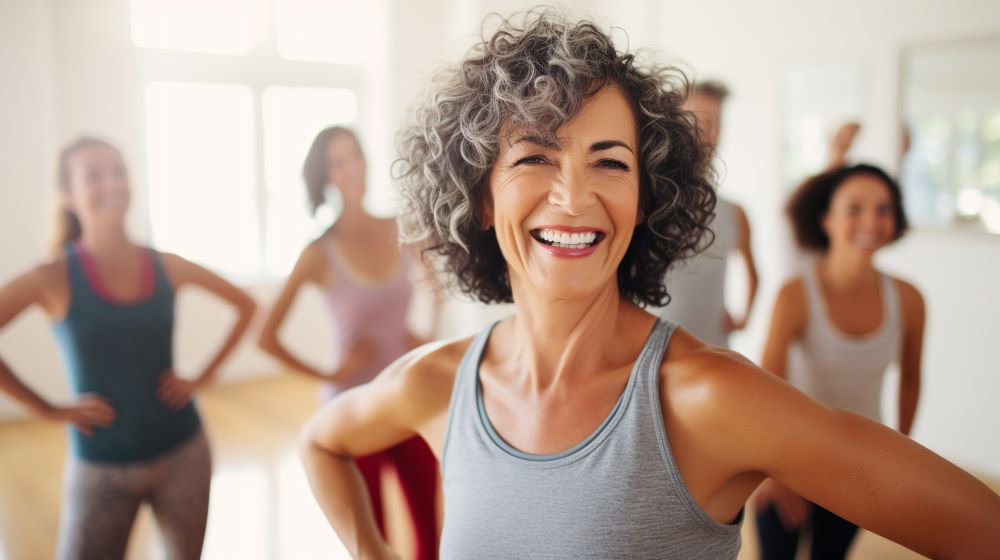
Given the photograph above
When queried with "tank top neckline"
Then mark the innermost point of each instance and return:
(341, 263)
(575, 452)
(822, 309)
(94, 280)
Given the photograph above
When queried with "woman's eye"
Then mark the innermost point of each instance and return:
(613, 164)
(531, 160)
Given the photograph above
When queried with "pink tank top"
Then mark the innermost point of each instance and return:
(360, 308)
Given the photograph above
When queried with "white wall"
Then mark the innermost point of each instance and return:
(27, 142)
(69, 69)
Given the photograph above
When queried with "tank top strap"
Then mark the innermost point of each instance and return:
(161, 280)
(79, 287)
(464, 388)
(651, 357)
(814, 297)
(330, 254)
(891, 304)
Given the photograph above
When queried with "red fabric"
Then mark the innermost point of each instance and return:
(416, 467)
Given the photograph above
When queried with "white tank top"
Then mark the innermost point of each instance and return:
(697, 285)
(842, 370)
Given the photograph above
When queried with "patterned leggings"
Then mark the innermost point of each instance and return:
(101, 501)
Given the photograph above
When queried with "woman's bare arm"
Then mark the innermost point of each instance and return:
(857, 468)
(309, 268)
(409, 398)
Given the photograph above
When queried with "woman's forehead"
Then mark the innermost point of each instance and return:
(606, 115)
(863, 186)
(95, 155)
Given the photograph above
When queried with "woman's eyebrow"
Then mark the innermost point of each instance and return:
(608, 144)
(554, 145)
(537, 140)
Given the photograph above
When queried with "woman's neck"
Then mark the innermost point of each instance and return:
(354, 218)
(107, 241)
(557, 340)
(844, 270)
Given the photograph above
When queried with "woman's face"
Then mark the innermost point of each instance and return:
(98, 191)
(345, 167)
(564, 212)
(861, 216)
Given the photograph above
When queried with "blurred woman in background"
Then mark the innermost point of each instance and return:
(850, 322)
(135, 433)
(367, 287)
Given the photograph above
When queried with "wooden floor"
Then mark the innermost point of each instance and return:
(261, 507)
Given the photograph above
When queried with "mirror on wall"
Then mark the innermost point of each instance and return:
(950, 118)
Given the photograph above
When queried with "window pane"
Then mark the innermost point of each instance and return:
(200, 143)
(292, 118)
(324, 30)
(208, 26)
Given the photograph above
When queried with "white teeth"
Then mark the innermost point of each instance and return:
(564, 239)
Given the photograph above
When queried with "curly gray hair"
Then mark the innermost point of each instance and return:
(536, 72)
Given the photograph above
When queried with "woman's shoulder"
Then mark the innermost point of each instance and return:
(46, 283)
(907, 291)
(793, 288)
(910, 299)
(431, 368)
(52, 269)
(313, 259)
(708, 384)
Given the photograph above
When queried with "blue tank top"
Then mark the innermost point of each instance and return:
(118, 351)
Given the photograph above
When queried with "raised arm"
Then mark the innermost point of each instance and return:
(408, 398)
(174, 390)
(840, 144)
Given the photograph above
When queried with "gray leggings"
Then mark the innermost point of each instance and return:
(101, 501)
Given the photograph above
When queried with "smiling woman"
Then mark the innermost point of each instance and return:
(549, 170)
(135, 434)
(502, 102)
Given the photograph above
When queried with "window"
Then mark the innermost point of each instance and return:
(234, 93)
(290, 117)
(817, 98)
(951, 112)
(193, 175)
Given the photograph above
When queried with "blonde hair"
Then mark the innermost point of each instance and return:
(65, 225)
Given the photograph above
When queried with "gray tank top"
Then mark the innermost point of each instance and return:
(697, 285)
(841, 370)
(617, 494)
